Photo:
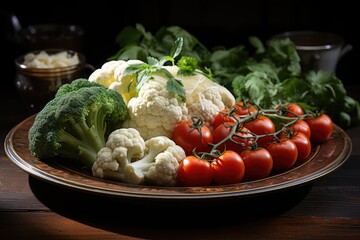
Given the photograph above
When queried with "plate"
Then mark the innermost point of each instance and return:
(324, 159)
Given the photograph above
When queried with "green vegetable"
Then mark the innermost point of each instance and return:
(269, 74)
(76, 122)
(135, 41)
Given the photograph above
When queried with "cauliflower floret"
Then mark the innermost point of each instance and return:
(155, 111)
(105, 74)
(119, 160)
(122, 146)
(160, 164)
(111, 75)
(164, 172)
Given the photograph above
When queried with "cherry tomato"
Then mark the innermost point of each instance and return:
(261, 125)
(194, 172)
(188, 136)
(303, 146)
(294, 110)
(228, 168)
(241, 109)
(302, 126)
(258, 163)
(224, 130)
(223, 117)
(321, 128)
(284, 155)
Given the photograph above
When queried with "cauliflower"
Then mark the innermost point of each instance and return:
(105, 74)
(128, 158)
(123, 145)
(111, 75)
(153, 110)
(204, 97)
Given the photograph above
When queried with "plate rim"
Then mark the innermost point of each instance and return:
(34, 171)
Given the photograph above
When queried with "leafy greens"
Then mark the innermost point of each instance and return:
(268, 75)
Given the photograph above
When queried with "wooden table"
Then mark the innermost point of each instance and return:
(327, 209)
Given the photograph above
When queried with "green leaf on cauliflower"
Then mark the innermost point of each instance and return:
(175, 86)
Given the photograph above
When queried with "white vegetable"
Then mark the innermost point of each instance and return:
(111, 75)
(129, 159)
(156, 112)
(46, 60)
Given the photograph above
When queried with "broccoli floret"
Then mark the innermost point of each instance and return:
(76, 122)
(75, 85)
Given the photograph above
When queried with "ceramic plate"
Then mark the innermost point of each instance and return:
(323, 160)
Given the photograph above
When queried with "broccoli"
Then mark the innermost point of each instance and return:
(76, 122)
(74, 86)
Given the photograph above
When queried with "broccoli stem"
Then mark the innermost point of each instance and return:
(100, 124)
(87, 138)
(71, 146)
(89, 133)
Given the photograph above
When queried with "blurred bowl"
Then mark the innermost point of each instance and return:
(317, 50)
(38, 85)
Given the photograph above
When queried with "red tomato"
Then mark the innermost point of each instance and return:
(261, 125)
(223, 117)
(224, 130)
(228, 168)
(187, 136)
(194, 172)
(284, 155)
(241, 109)
(302, 126)
(321, 128)
(303, 146)
(294, 110)
(258, 163)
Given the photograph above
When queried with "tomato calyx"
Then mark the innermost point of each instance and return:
(197, 123)
(245, 107)
(313, 115)
(290, 110)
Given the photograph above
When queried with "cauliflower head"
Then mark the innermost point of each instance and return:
(155, 111)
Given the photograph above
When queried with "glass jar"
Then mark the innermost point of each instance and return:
(37, 86)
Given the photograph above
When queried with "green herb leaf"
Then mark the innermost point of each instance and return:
(176, 87)
(187, 66)
(165, 72)
(135, 68)
(177, 47)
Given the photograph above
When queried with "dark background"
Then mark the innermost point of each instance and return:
(225, 22)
